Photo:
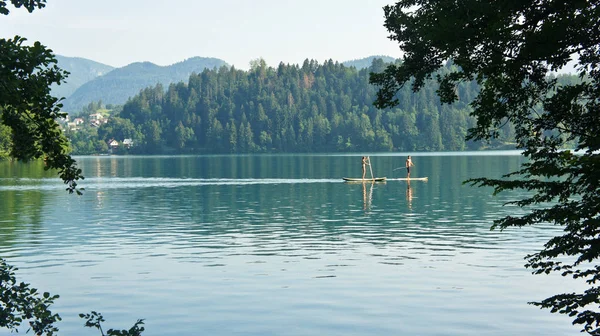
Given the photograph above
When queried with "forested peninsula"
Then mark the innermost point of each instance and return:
(288, 109)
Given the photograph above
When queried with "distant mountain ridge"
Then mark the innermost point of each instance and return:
(116, 86)
(81, 71)
(366, 62)
(91, 81)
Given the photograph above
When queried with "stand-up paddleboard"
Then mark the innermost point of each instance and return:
(372, 179)
(411, 179)
(376, 179)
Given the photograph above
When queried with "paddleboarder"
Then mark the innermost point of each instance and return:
(409, 164)
(365, 162)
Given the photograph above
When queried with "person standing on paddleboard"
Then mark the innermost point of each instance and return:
(365, 162)
(409, 164)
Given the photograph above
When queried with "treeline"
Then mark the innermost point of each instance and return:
(310, 108)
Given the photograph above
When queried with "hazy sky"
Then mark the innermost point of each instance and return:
(119, 32)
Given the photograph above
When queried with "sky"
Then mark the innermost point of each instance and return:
(120, 32)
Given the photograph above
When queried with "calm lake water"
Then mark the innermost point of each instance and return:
(279, 245)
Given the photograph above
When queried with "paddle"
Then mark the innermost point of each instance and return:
(400, 168)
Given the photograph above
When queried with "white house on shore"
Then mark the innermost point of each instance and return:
(96, 116)
(112, 144)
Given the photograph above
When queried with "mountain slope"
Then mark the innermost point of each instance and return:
(118, 85)
(81, 70)
(366, 62)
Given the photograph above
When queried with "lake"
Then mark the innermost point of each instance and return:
(279, 245)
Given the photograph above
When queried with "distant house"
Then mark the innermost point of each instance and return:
(128, 143)
(95, 123)
(96, 116)
(71, 126)
(113, 144)
(78, 121)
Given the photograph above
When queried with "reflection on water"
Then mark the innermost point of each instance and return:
(409, 194)
(278, 245)
(367, 197)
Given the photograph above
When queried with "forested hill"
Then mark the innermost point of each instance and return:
(309, 108)
(80, 70)
(118, 85)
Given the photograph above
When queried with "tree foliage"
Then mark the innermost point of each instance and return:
(20, 303)
(26, 106)
(95, 319)
(508, 48)
(289, 108)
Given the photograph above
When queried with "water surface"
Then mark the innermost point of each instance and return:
(279, 245)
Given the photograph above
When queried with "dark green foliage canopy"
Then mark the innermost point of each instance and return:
(20, 303)
(291, 108)
(508, 48)
(30, 5)
(26, 106)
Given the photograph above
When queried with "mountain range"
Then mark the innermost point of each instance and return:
(91, 81)
(117, 85)
(81, 71)
(367, 61)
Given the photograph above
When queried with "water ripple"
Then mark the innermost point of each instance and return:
(316, 253)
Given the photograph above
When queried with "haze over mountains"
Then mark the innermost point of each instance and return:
(367, 61)
(117, 85)
(91, 81)
(81, 71)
